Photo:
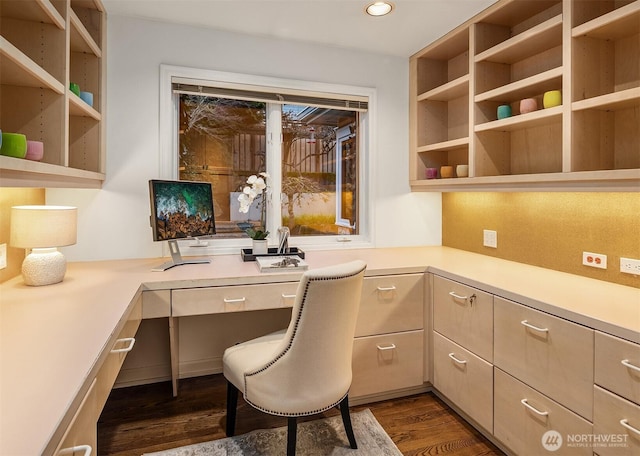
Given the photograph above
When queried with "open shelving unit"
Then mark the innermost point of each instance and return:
(44, 46)
(517, 49)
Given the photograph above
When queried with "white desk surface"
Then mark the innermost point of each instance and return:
(51, 337)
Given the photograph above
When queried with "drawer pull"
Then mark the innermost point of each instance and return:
(459, 361)
(388, 347)
(86, 448)
(234, 301)
(131, 341)
(288, 296)
(626, 424)
(533, 409)
(626, 363)
(391, 288)
(457, 296)
(535, 328)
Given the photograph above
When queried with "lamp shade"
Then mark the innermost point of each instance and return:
(43, 226)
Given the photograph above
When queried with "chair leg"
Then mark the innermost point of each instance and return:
(292, 431)
(232, 404)
(346, 420)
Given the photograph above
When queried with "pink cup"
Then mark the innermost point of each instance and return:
(528, 105)
(35, 150)
(432, 173)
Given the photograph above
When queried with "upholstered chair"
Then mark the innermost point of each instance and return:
(305, 369)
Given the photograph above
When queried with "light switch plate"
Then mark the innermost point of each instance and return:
(3, 256)
(490, 238)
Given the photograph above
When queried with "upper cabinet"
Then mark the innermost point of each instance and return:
(506, 59)
(45, 47)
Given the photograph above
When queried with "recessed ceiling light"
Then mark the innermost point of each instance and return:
(379, 8)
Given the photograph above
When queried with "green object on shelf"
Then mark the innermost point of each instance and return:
(75, 88)
(14, 145)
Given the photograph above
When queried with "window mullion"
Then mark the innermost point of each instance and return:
(274, 168)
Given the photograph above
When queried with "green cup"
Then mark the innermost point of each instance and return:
(14, 145)
(75, 88)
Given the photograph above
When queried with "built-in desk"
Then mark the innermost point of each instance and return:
(54, 340)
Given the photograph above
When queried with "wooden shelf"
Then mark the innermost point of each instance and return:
(519, 122)
(449, 91)
(81, 40)
(610, 102)
(77, 107)
(17, 172)
(19, 70)
(525, 88)
(614, 25)
(34, 11)
(445, 145)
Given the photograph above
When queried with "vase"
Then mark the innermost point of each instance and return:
(552, 98)
(260, 247)
(528, 105)
(446, 172)
(462, 170)
(504, 111)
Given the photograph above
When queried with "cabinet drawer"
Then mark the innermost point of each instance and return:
(464, 315)
(199, 301)
(82, 432)
(548, 353)
(156, 303)
(391, 304)
(523, 416)
(608, 412)
(465, 379)
(119, 347)
(618, 366)
(387, 363)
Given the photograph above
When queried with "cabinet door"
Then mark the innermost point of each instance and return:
(618, 366)
(616, 423)
(387, 363)
(530, 423)
(200, 301)
(391, 304)
(465, 379)
(548, 353)
(464, 315)
(81, 437)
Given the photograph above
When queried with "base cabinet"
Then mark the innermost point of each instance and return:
(616, 424)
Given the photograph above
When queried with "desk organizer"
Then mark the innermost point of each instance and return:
(247, 254)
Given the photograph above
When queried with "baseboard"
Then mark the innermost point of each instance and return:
(368, 399)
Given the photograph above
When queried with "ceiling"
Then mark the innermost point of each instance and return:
(412, 25)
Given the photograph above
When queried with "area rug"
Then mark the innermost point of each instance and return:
(322, 437)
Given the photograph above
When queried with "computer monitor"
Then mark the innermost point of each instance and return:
(180, 210)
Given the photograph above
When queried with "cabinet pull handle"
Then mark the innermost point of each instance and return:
(457, 296)
(131, 341)
(233, 301)
(532, 408)
(626, 424)
(459, 361)
(535, 328)
(288, 296)
(388, 347)
(71, 450)
(626, 363)
(391, 288)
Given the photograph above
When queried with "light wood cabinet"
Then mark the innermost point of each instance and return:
(517, 49)
(617, 366)
(45, 45)
(81, 437)
(550, 354)
(616, 422)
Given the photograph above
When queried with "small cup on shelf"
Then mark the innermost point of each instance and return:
(431, 173)
(462, 170)
(504, 111)
(87, 97)
(446, 172)
(75, 88)
(552, 98)
(528, 105)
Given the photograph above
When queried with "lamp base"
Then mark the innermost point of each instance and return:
(44, 267)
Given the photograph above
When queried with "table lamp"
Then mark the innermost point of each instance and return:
(42, 229)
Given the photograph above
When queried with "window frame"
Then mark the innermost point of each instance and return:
(168, 145)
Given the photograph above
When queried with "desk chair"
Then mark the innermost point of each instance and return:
(305, 369)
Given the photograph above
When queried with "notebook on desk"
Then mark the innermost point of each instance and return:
(281, 263)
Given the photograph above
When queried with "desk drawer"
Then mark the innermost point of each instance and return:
(465, 379)
(608, 412)
(464, 315)
(521, 426)
(199, 301)
(156, 303)
(390, 304)
(618, 366)
(82, 432)
(548, 353)
(119, 347)
(387, 363)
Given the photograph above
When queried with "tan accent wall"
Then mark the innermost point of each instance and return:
(550, 230)
(14, 197)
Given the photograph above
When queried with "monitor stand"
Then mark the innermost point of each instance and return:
(176, 258)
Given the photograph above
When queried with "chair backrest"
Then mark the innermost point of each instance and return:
(311, 370)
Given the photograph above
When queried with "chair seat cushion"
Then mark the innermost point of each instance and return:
(249, 356)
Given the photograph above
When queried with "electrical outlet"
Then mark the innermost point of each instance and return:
(490, 238)
(595, 260)
(630, 266)
(3, 256)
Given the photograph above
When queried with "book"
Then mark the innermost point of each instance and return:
(284, 263)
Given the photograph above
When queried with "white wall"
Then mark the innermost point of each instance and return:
(114, 221)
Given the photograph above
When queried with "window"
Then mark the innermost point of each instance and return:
(311, 143)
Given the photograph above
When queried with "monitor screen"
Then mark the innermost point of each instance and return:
(181, 209)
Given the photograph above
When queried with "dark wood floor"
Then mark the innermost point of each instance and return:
(147, 418)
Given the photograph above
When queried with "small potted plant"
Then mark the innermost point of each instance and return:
(256, 185)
